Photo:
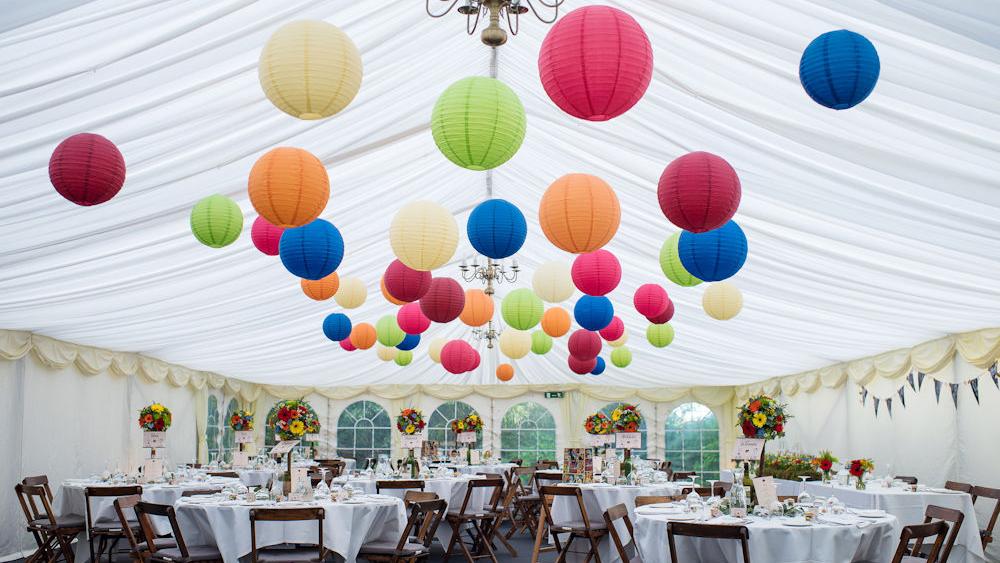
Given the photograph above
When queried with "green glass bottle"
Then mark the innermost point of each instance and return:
(748, 485)
(627, 463)
(412, 462)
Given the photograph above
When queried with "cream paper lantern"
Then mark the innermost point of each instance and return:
(515, 344)
(423, 235)
(386, 354)
(553, 281)
(351, 294)
(621, 340)
(722, 301)
(310, 69)
(434, 349)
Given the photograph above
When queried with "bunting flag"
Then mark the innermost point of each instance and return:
(902, 396)
(909, 379)
(974, 384)
(864, 396)
(954, 393)
(875, 401)
(937, 391)
(920, 380)
(993, 369)
(888, 406)
(994, 375)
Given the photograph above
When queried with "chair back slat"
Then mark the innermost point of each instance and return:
(958, 486)
(415, 484)
(994, 494)
(612, 516)
(918, 533)
(122, 504)
(955, 517)
(229, 474)
(35, 496)
(120, 491)
(144, 510)
(199, 492)
(650, 499)
(711, 531)
(287, 515)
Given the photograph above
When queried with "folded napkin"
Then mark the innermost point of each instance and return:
(726, 520)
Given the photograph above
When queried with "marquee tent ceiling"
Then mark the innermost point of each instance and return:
(869, 229)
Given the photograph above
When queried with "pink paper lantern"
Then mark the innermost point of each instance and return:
(346, 345)
(476, 359)
(614, 330)
(650, 300)
(443, 301)
(411, 319)
(665, 316)
(581, 367)
(405, 283)
(595, 63)
(699, 192)
(457, 356)
(265, 236)
(584, 344)
(87, 169)
(596, 273)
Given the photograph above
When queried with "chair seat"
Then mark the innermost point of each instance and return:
(530, 498)
(160, 543)
(289, 555)
(112, 526)
(195, 553)
(912, 559)
(389, 548)
(579, 526)
(71, 521)
(469, 515)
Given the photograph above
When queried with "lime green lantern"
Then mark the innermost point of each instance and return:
(522, 309)
(404, 357)
(216, 221)
(478, 123)
(387, 331)
(660, 335)
(541, 343)
(621, 357)
(670, 263)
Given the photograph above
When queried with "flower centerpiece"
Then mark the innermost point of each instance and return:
(293, 419)
(410, 422)
(626, 419)
(471, 424)
(824, 461)
(790, 466)
(763, 418)
(598, 424)
(241, 421)
(154, 418)
(858, 467)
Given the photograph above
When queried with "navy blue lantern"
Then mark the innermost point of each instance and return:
(312, 251)
(337, 327)
(839, 69)
(593, 313)
(496, 228)
(713, 255)
(598, 367)
(409, 342)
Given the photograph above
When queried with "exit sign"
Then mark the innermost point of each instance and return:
(554, 395)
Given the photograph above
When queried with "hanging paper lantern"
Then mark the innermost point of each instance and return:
(87, 169)
(337, 327)
(423, 235)
(216, 221)
(722, 301)
(363, 336)
(347, 345)
(579, 213)
(443, 301)
(410, 341)
(505, 372)
(541, 343)
(411, 319)
(665, 316)
(351, 294)
(595, 63)
(288, 187)
(434, 349)
(650, 300)
(522, 309)
(593, 313)
(388, 296)
(621, 357)
(715, 255)
(515, 344)
(478, 309)
(699, 191)
(597, 272)
(457, 356)
(670, 263)
(553, 281)
(621, 340)
(321, 289)
(386, 354)
(478, 123)
(404, 283)
(839, 69)
(556, 322)
(476, 358)
(614, 330)
(310, 69)
(584, 344)
(404, 357)
(660, 335)
(312, 251)
(496, 228)
(582, 366)
(265, 236)
(388, 331)
(598, 366)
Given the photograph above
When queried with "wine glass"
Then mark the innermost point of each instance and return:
(694, 481)
(711, 487)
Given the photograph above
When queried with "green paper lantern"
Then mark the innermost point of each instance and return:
(478, 123)
(671, 265)
(387, 331)
(541, 343)
(621, 357)
(522, 309)
(660, 335)
(404, 357)
(216, 221)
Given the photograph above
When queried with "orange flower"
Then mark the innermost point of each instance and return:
(148, 417)
(755, 406)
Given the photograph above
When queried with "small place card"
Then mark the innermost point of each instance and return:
(244, 437)
(152, 470)
(283, 447)
(474, 457)
(748, 448)
(598, 465)
(241, 459)
(299, 475)
(466, 437)
(596, 440)
(767, 491)
(154, 439)
(631, 440)
(610, 455)
(412, 441)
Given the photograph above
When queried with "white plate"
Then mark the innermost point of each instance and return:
(797, 523)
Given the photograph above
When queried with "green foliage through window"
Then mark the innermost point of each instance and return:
(528, 432)
(692, 440)
(364, 431)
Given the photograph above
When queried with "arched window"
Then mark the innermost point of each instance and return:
(641, 452)
(439, 425)
(692, 436)
(363, 431)
(212, 430)
(528, 432)
(228, 434)
(269, 440)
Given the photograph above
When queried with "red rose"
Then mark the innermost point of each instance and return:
(825, 465)
(158, 424)
(856, 469)
(779, 428)
(779, 418)
(749, 431)
(284, 414)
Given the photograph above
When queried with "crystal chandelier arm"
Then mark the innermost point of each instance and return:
(554, 5)
(427, 6)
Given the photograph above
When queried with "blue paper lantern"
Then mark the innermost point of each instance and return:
(593, 312)
(409, 342)
(839, 69)
(312, 251)
(598, 367)
(337, 327)
(713, 255)
(496, 228)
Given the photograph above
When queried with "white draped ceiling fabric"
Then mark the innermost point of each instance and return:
(871, 229)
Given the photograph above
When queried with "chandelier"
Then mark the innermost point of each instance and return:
(493, 35)
(491, 273)
(487, 333)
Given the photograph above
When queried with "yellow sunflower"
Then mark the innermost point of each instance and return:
(759, 420)
(297, 427)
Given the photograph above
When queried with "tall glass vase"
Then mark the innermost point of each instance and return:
(627, 463)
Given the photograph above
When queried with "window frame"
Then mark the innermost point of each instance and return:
(347, 421)
(541, 415)
(704, 468)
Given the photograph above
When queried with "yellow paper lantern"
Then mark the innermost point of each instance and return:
(386, 354)
(310, 69)
(351, 294)
(553, 281)
(621, 340)
(434, 349)
(722, 301)
(423, 235)
(515, 344)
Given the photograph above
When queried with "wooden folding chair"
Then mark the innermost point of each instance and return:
(299, 553)
(137, 543)
(182, 552)
(399, 484)
(51, 533)
(105, 530)
(986, 492)
(227, 474)
(501, 501)
(644, 500)
(628, 553)
(710, 531)
(475, 521)
(409, 548)
(546, 464)
(199, 492)
(906, 479)
(683, 475)
(958, 486)
(527, 503)
(919, 532)
(583, 528)
(950, 515)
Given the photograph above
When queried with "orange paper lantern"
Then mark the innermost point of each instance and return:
(321, 289)
(505, 372)
(363, 336)
(579, 213)
(289, 187)
(555, 322)
(388, 296)
(478, 309)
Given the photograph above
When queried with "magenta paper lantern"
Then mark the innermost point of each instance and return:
(457, 356)
(346, 345)
(580, 367)
(665, 316)
(595, 63)
(699, 192)
(476, 359)
(87, 169)
(596, 273)
(614, 330)
(265, 236)
(584, 344)
(443, 301)
(404, 283)
(411, 319)
(650, 300)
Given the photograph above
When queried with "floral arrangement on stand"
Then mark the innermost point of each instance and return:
(154, 418)
(293, 419)
(471, 423)
(790, 466)
(598, 424)
(410, 421)
(626, 418)
(824, 461)
(241, 421)
(763, 417)
(858, 467)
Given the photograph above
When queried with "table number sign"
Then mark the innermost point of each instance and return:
(152, 470)
(474, 457)
(598, 465)
(412, 442)
(630, 440)
(748, 448)
(466, 437)
(597, 440)
(299, 475)
(767, 491)
(154, 439)
(283, 447)
(241, 459)
(244, 437)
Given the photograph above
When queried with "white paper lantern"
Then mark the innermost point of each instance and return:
(722, 301)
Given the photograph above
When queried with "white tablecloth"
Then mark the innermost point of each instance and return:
(345, 526)
(773, 542)
(499, 468)
(255, 477)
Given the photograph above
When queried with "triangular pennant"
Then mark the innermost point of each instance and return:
(888, 406)
(909, 379)
(993, 369)
(864, 396)
(996, 380)
(975, 388)
(920, 380)
(937, 391)
(954, 393)
(875, 401)
(902, 396)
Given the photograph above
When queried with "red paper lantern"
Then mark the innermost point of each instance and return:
(265, 236)
(476, 359)
(411, 319)
(581, 367)
(597, 272)
(87, 169)
(650, 300)
(665, 316)
(347, 345)
(699, 192)
(614, 330)
(443, 301)
(584, 344)
(595, 63)
(457, 356)
(405, 283)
